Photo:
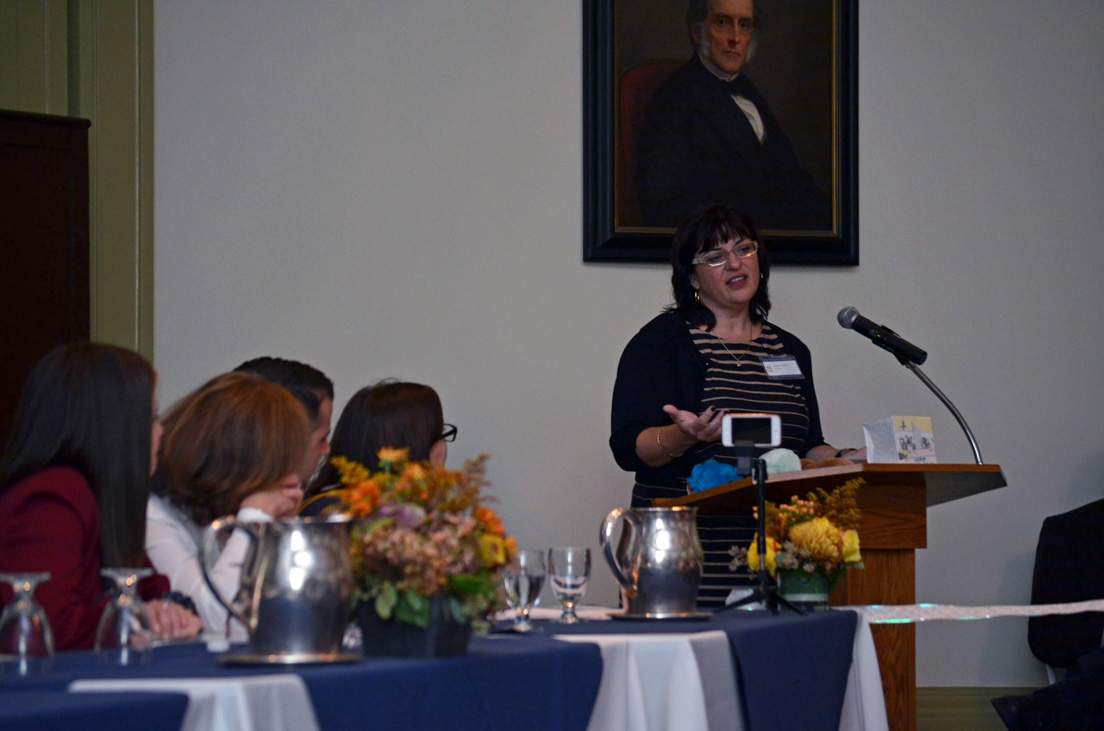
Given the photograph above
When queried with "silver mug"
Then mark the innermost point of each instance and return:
(296, 584)
(657, 562)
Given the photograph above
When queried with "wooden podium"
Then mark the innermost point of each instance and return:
(894, 503)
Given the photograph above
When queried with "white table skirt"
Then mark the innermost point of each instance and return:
(664, 682)
(686, 683)
(248, 703)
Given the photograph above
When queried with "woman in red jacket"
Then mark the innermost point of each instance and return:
(74, 480)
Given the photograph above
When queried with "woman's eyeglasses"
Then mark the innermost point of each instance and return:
(717, 257)
(449, 433)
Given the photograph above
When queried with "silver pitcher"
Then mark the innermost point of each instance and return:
(296, 584)
(657, 562)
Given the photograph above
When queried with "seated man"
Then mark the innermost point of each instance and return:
(314, 390)
(1069, 567)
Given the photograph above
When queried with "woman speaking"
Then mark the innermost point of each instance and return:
(712, 351)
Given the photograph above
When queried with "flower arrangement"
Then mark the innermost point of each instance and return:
(424, 532)
(817, 535)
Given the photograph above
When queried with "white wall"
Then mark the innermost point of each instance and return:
(394, 189)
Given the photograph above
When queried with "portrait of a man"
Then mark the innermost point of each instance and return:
(707, 134)
(751, 103)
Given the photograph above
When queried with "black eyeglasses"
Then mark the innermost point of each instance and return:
(449, 433)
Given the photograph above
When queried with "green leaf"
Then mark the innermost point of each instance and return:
(413, 609)
(386, 600)
(455, 609)
(466, 584)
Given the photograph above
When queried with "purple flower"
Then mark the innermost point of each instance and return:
(710, 474)
(408, 516)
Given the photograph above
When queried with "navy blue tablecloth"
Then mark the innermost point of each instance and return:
(792, 669)
(538, 683)
(44, 709)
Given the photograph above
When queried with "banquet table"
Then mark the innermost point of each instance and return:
(746, 671)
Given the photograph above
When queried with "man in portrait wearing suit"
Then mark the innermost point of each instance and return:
(708, 136)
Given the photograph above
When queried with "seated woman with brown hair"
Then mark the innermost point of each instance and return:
(388, 414)
(232, 447)
(74, 479)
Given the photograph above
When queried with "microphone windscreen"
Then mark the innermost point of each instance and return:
(847, 317)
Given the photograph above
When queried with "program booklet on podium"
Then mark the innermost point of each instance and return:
(894, 503)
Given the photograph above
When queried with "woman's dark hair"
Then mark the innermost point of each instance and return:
(233, 436)
(90, 407)
(704, 230)
(388, 414)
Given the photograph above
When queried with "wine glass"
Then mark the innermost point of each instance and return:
(523, 579)
(26, 640)
(123, 636)
(569, 569)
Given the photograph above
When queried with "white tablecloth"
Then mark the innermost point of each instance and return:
(683, 682)
(248, 703)
(664, 682)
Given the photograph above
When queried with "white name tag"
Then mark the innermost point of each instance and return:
(781, 369)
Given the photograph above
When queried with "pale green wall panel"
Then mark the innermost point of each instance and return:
(94, 59)
(115, 92)
(34, 56)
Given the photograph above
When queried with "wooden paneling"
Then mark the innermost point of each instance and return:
(43, 243)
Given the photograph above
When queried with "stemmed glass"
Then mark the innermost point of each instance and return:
(523, 579)
(124, 636)
(569, 568)
(26, 640)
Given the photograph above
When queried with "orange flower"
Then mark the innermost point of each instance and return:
(391, 455)
(363, 498)
(488, 520)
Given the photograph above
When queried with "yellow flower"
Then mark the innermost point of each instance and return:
(773, 548)
(820, 537)
(392, 455)
(350, 472)
(413, 471)
(851, 546)
(492, 550)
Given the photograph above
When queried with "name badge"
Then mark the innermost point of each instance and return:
(781, 369)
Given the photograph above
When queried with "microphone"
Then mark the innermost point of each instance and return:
(881, 336)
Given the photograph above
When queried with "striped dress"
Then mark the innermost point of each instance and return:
(736, 382)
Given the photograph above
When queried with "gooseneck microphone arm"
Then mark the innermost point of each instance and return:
(947, 402)
(909, 356)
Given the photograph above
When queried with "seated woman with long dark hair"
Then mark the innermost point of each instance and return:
(234, 446)
(74, 480)
(388, 414)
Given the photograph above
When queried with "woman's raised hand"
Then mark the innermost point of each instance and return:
(281, 501)
(703, 427)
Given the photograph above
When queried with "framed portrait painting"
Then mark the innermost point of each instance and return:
(751, 103)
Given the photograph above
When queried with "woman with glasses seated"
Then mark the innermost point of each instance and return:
(390, 413)
(709, 353)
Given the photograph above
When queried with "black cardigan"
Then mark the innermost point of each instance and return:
(661, 365)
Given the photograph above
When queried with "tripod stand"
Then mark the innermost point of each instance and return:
(767, 590)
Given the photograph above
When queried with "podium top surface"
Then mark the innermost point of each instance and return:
(942, 482)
